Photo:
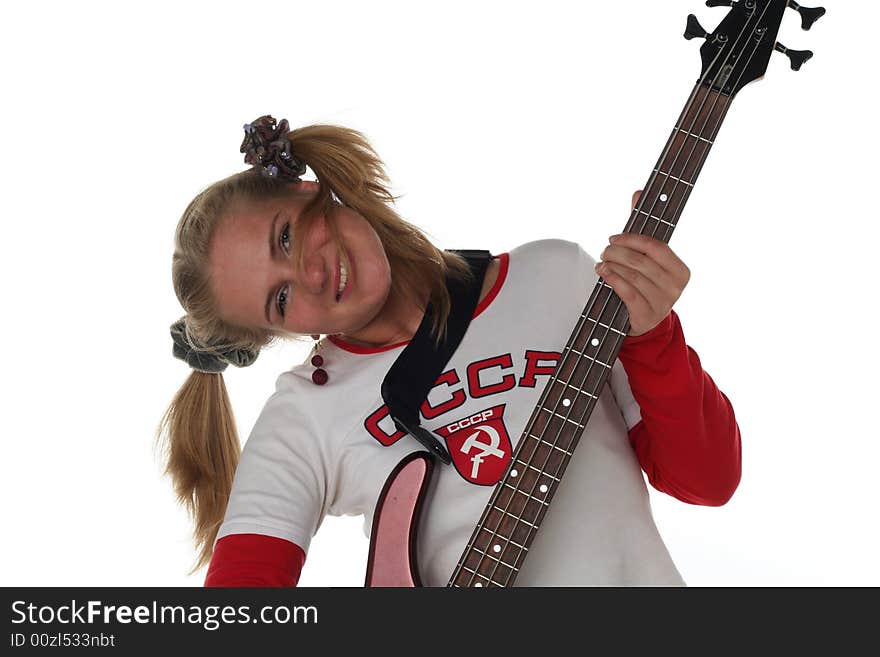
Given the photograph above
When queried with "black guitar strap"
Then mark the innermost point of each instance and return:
(416, 370)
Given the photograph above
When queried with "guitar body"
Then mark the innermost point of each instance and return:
(392, 559)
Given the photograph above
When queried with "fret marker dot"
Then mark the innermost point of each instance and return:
(496, 548)
(566, 402)
(477, 584)
(595, 342)
(663, 197)
(543, 488)
(513, 473)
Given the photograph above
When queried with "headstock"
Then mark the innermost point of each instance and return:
(738, 51)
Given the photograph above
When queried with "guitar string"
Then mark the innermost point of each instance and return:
(684, 115)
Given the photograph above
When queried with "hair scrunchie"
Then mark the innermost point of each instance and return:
(268, 149)
(211, 361)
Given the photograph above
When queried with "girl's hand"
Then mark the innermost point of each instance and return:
(646, 275)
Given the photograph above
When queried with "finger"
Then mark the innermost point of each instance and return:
(642, 263)
(633, 287)
(655, 296)
(655, 250)
(635, 198)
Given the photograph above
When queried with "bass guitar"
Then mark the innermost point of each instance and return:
(734, 54)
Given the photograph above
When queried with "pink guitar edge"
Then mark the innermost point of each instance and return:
(392, 558)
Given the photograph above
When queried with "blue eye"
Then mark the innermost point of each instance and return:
(285, 238)
(282, 301)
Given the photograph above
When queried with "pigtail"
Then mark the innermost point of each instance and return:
(201, 448)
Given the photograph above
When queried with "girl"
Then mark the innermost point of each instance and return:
(263, 255)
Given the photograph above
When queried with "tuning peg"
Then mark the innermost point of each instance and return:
(694, 29)
(797, 57)
(808, 15)
(719, 3)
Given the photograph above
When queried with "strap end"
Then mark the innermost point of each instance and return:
(426, 438)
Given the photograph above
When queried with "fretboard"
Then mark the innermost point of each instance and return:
(510, 521)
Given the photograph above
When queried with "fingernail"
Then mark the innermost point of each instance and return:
(614, 238)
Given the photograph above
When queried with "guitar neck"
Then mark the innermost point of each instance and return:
(672, 179)
(510, 521)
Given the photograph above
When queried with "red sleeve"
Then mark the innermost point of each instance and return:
(688, 441)
(255, 560)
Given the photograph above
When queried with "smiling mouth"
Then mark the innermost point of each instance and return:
(343, 281)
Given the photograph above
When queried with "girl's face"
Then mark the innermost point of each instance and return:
(255, 282)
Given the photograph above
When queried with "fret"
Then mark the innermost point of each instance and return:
(531, 497)
(580, 390)
(561, 417)
(529, 465)
(541, 440)
(506, 538)
(474, 572)
(690, 134)
(509, 540)
(518, 519)
(648, 214)
(595, 360)
(491, 536)
(486, 555)
(605, 326)
(519, 506)
(674, 178)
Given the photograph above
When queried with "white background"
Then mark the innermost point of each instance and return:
(500, 123)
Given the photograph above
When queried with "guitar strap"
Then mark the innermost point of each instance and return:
(417, 368)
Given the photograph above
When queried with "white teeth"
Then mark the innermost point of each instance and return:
(343, 277)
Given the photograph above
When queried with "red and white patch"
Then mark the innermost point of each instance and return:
(479, 445)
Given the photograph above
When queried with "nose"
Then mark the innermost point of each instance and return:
(318, 262)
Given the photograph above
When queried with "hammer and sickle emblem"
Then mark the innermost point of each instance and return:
(485, 449)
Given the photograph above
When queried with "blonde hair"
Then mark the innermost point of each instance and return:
(202, 445)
